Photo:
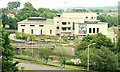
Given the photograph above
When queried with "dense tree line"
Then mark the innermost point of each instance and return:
(27, 11)
(104, 55)
(111, 20)
(30, 11)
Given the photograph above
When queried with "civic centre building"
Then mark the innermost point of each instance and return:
(65, 24)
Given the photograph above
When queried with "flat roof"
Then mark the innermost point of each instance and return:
(34, 21)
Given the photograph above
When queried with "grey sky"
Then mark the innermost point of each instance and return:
(60, 3)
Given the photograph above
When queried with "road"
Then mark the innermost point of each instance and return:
(31, 66)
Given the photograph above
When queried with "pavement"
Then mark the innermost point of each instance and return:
(31, 66)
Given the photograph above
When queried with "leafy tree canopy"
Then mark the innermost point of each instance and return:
(14, 4)
(8, 52)
(100, 59)
(111, 20)
(4, 20)
(99, 40)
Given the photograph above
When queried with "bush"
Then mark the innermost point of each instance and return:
(28, 58)
(69, 63)
(23, 57)
(24, 36)
(65, 38)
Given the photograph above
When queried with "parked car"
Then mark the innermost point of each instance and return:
(31, 43)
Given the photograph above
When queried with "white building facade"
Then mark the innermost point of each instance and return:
(80, 24)
(65, 24)
(37, 26)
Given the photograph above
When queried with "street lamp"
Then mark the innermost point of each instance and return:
(88, 55)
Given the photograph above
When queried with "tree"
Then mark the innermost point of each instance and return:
(63, 54)
(102, 56)
(101, 59)
(12, 22)
(27, 11)
(118, 54)
(12, 5)
(29, 6)
(8, 53)
(111, 20)
(4, 10)
(34, 14)
(118, 43)
(102, 40)
(102, 18)
(4, 20)
(47, 13)
(45, 53)
(99, 39)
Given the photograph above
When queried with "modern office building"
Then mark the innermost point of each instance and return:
(79, 24)
(65, 24)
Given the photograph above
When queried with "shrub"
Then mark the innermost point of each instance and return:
(28, 58)
(69, 62)
(65, 38)
(24, 36)
(23, 57)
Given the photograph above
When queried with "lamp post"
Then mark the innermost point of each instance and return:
(88, 55)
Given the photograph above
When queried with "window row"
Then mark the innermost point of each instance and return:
(91, 17)
(64, 23)
(66, 28)
(41, 31)
(93, 30)
(33, 25)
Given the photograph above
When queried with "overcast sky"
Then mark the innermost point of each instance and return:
(60, 3)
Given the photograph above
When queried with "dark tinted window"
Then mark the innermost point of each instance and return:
(90, 30)
(97, 30)
(32, 25)
(93, 30)
(64, 23)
